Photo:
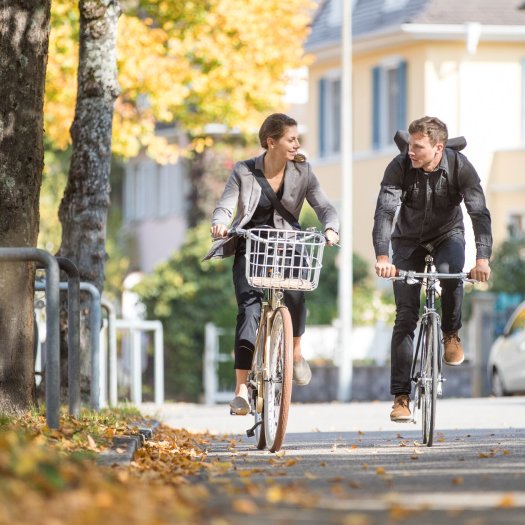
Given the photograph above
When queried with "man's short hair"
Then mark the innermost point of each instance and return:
(435, 129)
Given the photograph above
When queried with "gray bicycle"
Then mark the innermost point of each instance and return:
(427, 363)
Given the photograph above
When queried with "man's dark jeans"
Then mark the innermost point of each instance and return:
(449, 257)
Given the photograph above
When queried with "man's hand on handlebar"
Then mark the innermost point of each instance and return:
(481, 272)
(384, 268)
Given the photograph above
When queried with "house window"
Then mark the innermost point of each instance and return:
(516, 225)
(153, 191)
(330, 115)
(334, 14)
(389, 102)
(394, 5)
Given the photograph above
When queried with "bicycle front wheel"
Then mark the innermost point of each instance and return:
(258, 391)
(430, 380)
(278, 386)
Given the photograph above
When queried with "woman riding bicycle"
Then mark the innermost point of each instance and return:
(292, 180)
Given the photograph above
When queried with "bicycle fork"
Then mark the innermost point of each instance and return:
(418, 378)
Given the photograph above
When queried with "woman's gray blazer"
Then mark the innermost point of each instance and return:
(242, 193)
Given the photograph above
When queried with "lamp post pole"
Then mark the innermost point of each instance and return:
(345, 261)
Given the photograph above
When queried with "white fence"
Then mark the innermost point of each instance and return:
(320, 344)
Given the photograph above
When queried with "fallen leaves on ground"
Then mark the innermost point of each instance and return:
(51, 476)
(507, 501)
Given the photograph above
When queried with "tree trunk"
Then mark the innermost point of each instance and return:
(24, 36)
(84, 207)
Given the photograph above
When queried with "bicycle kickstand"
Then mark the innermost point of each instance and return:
(251, 431)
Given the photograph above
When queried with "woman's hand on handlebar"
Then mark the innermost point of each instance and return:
(331, 237)
(384, 268)
(219, 230)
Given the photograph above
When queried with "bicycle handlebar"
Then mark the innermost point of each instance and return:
(405, 275)
(233, 232)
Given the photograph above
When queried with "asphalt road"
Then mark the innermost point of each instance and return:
(348, 464)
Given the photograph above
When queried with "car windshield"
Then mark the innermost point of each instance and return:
(519, 322)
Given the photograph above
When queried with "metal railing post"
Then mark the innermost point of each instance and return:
(159, 363)
(94, 326)
(136, 367)
(210, 373)
(103, 364)
(135, 328)
(73, 332)
(112, 339)
(52, 324)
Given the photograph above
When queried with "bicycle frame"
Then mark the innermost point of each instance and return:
(272, 301)
(430, 314)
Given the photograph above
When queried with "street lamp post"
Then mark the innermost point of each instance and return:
(345, 262)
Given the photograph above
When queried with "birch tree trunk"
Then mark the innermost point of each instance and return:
(24, 37)
(84, 206)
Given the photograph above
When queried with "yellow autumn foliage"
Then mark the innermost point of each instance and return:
(190, 63)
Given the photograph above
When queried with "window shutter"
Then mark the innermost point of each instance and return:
(402, 96)
(523, 100)
(376, 107)
(322, 117)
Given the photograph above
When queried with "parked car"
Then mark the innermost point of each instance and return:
(506, 365)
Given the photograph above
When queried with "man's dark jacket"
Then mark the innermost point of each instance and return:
(430, 211)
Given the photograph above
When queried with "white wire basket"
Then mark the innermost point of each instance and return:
(284, 259)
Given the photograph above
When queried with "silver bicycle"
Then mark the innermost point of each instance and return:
(426, 373)
(276, 260)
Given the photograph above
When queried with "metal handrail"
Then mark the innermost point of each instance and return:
(50, 264)
(94, 325)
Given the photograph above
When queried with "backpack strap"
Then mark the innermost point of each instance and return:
(268, 191)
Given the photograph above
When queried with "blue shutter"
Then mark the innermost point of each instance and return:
(376, 107)
(402, 96)
(322, 117)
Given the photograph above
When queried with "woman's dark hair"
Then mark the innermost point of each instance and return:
(274, 127)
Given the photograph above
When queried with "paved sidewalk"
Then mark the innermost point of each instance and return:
(461, 413)
(347, 464)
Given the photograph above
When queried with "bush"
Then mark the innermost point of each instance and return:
(508, 266)
(185, 294)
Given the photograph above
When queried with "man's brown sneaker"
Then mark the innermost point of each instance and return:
(454, 355)
(401, 412)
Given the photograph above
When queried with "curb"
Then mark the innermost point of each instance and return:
(123, 448)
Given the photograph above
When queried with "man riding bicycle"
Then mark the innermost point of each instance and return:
(428, 184)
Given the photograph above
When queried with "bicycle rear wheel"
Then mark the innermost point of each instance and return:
(430, 380)
(278, 387)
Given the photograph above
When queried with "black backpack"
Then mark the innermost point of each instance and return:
(451, 150)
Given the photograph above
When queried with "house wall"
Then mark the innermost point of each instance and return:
(506, 189)
(155, 202)
(478, 95)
